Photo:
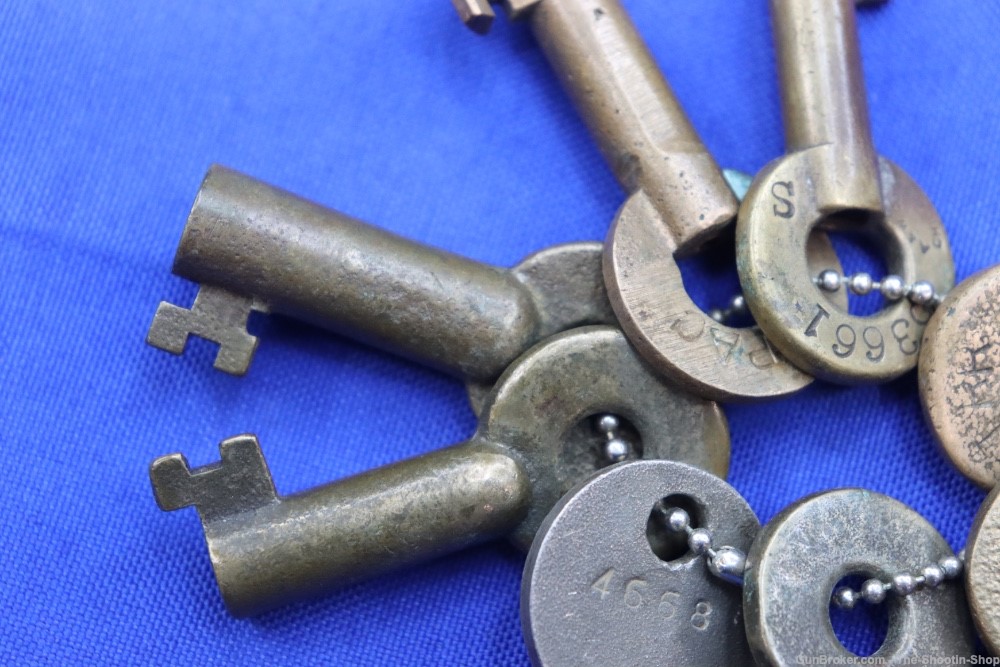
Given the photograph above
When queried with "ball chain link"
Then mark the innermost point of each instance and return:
(725, 562)
(729, 563)
(616, 448)
(737, 307)
(892, 287)
(875, 591)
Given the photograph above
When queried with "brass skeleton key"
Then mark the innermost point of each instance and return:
(252, 246)
(832, 178)
(268, 550)
(678, 199)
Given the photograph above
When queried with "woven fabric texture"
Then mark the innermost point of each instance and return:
(110, 113)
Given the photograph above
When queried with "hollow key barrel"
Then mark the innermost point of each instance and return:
(253, 246)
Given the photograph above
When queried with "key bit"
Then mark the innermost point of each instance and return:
(217, 315)
(478, 15)
(239, 482)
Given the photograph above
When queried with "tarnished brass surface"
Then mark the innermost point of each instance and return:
(959, 375)
(638, 123)
(712, 359)
(256, 247)
(566, 284)
(708, 358)
(267, 550)
(631, 111)
(982, 571)
(799, 557)
(832, 178)
(677, 200)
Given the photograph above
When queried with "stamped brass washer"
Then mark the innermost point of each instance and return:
(959, 376)
(776, 218)
(982, 571)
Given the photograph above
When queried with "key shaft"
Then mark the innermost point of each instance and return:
(823, 99)
(289, 548)
(253, 246)
(637, 121)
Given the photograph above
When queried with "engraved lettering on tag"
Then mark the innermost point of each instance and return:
(875, 341)
(811, 329)
(633, 592)
(668, 604)
(763, 357)
(846, 340)
(725, 342)
(699, 619)
(602, 583)
(784, 208)
(978, 380)
(689, 326)
(639, 594)
(979, 359)
(900, 331)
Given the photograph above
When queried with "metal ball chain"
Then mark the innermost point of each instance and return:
(727, 563)
(616, 448)
(737, 308)
(892, 288)
(874, 591)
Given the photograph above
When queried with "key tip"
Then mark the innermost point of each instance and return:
(170, 477)
(477, 15)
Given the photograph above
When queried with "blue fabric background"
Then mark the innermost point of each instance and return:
(110, 112)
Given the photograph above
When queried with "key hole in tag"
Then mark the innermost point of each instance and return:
(861, 251)
(710, 277)
(669, 546)
(711, 281)
(861, 630)
(585, 448)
